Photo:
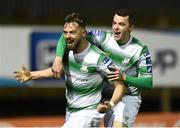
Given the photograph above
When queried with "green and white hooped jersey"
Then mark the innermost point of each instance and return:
(84, 73)
(133, 58)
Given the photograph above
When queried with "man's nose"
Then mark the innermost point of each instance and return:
(116, 27)
(68, 36)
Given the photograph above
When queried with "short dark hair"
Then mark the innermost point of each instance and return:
(125, 12)
(75, 17)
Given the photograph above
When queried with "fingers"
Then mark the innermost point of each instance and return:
(57, 74)
(57, 70)
(103, 107)
(17, 75)
(106, 103)
(21, 80)
(21, 75)
(113, 77)
(57, 67)
(23, 68)
(114, 73)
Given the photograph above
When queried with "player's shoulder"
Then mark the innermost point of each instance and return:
(99, 33)
(137, 42)
(95, 53)
(141, 45)
(96, 49)
(99, 52)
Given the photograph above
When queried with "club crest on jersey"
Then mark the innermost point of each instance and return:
(125, 61)
(84, 69)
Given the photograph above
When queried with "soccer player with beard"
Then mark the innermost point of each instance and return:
(85, 66)
(130, 55)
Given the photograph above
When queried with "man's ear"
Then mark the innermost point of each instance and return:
(131, 27)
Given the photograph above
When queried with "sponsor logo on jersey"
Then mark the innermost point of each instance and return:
(148, 60)
(111, 67)
(106, 60)
(149, 69)
(84, 69)
(125, 61)
(146, 54)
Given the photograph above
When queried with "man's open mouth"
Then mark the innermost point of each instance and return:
(117, 33)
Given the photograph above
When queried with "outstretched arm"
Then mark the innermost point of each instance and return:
(24, 75)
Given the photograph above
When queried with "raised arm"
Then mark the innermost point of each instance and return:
(57, 64)
(61, 46)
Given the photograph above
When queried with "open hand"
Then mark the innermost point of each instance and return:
(23, 75)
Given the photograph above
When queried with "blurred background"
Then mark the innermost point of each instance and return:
(29, 31)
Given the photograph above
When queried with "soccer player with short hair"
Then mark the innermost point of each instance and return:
(130, 55)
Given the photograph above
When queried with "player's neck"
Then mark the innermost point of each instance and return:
(82, 46)
(125, 40)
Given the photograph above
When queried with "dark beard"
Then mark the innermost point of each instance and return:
(74, 46)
